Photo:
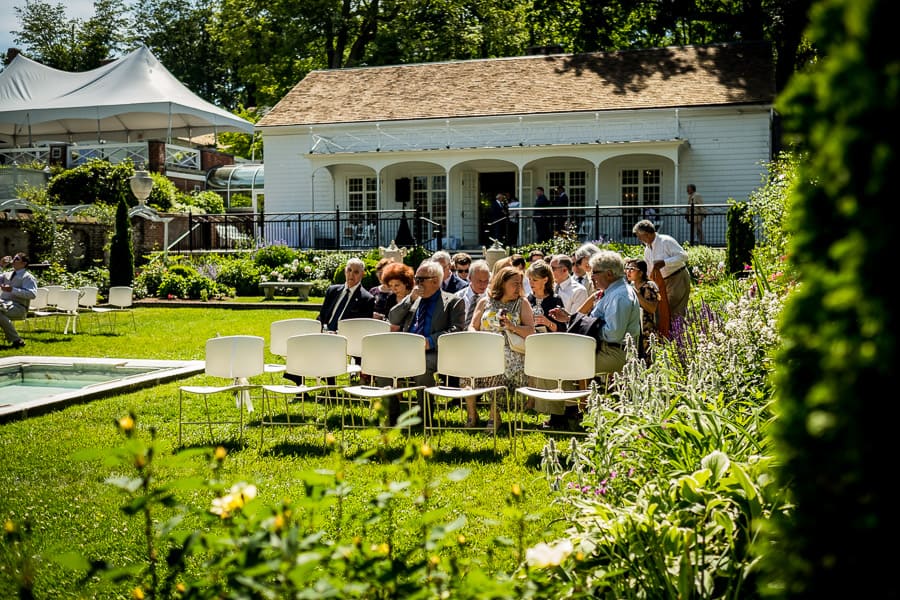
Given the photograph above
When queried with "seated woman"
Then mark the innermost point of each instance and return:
(398, 277)
(381, 292)
(503, 309)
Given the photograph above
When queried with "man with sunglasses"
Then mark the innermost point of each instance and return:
(430, 312)
(460, 265)
(17, 288)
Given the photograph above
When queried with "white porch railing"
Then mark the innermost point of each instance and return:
(179, 157)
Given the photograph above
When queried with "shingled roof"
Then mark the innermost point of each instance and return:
(634, 79)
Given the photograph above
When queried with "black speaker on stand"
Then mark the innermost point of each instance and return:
(404, 235)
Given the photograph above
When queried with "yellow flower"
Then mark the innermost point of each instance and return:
(516, 490)
(434, 560)
(278, 524)
(461, 540)
(220, 454)
(126, 423)
(426, 451)
(9, 526)
(330, 440)
(180, 588)
(382, 548)
(137, 593)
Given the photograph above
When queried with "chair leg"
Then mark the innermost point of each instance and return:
(180, 418)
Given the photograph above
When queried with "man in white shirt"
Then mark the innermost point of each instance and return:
(479, 279)
(665, 255)
(572, 293)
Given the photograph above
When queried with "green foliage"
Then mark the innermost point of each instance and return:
(274, 255)
(207, 201)
(240, 273)
(121, 251)
(839, 327)
(164, 194)
(740, 239)
(240, 200)
(771, 205)
(94, 181)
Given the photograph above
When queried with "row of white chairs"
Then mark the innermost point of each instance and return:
(326, 368)
(59, 302)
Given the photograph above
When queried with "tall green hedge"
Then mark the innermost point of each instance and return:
(739, 240)
(837, 416)
(121, 252)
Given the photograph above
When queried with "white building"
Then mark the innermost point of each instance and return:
(621, 129)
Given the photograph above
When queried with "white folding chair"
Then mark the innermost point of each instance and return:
(355, 330)
(468, 355)
(317, 357)
(37, 307)
(280, 331)
(67, 307)
(235, 358)
(87, 299)
(395, 356)
(121, 299)
(53, 295)
(558, 357)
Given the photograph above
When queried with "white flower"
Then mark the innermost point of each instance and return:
(544, 555)
(239, 495)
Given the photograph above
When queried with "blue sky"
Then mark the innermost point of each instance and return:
(75, 9)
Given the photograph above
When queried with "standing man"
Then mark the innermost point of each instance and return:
(543, 226)
(696, 213)
(666, 257)
(450, 281)
(430, 312)
(561, 202)
(497, 216)
(17, 289)
(479, 279)
(347, 300)
(572, 294)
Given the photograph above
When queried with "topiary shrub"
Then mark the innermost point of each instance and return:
(739, 239)
(121, 252)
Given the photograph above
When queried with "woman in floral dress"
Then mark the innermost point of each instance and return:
(503, 309)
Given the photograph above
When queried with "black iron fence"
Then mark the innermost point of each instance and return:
(355, 230)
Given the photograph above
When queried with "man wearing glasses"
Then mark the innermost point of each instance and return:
(461, 263)
(17, 288)
(430, 312)
(617, 311)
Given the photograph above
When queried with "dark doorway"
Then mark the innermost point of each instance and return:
(489, 186)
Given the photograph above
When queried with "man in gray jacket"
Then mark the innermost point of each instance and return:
(17, 289)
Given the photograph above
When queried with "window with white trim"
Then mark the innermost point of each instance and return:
(362, 194)
(575, 183)
(642, 189)
(429, 195)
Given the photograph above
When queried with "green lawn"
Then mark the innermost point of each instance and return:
(48, 484)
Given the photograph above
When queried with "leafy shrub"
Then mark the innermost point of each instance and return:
(274, 255)
(164, 194)
(241, 274)
(94, 181)
(148, 280)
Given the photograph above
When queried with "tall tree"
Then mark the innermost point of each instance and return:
(48, 36)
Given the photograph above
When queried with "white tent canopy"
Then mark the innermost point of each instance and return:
(130, 99)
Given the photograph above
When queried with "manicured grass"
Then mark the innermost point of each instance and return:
(47, 483)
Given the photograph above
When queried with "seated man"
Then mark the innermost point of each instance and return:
(430, 312)
(17, 288)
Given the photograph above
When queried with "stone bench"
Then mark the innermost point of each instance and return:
(302, 287)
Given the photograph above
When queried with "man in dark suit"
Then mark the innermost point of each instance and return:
(347, 300)
(543, 220)
(450, 281)
(430, 312)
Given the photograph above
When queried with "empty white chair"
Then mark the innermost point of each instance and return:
(314, 358)
(395, 356)
(87, 299)
(120, 299)
(355, 330)
(280, 331)
(37, 307)
(67, 307)
(53, 295)
(468, 355)
(557, 357)
(234, 358)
